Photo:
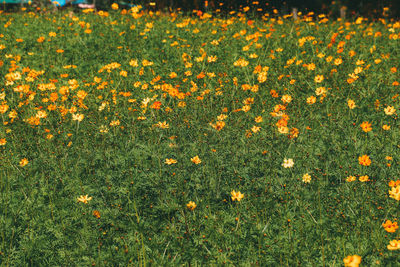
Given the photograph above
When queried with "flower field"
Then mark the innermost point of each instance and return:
(136, 138)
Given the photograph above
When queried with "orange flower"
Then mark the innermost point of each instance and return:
(96, 214)
(84, 199)
(191, 205)
(364, 160)
(196, 160)
(236, 195)
(352, 261)
(156, 105)
(366, 126)
(3, 141)
(389, 226)
(23, 162)
(394, 245)
(394, 192)
(170, 161)
(364, 178)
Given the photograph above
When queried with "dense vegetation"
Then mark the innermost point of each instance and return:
(140, 138)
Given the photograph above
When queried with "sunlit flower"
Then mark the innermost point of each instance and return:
(351, 104)
(350, 178)
(196, 160)
(364, 178)
(236, 195)
(23, 162)
(319, 78)
(366, 126)
(352, 261)
(364, 160)
(3, 141)
(389, 226)
(389, 110)
(288, 163)
(77, 117)
(394, 245)
(306, 178)
(311, 100)
(191, 205)
(394, 192)
(386, 127)
(84, 199)
(170, 161)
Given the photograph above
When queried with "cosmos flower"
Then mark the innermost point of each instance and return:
(306, 178)
(352, 261)
(364, 160)
(288, 163)
(170, 161)
(196, 160)
(236, 195)
(23, 162)
(389, 226)
(394, 245)
(191, 205)
(84, 199)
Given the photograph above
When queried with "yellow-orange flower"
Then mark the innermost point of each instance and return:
(352, 261)
(389, 226)
(84, 199)
(170, 161)
(394, 192)
(23, 162)
(351, 104)
(3, 141)
(389, 110)
(394, 245)
(196, 160)
(364, 160)
(236, 195)
(114, 6)
(364, 178)
(366, 126)
(191, 205)
(350, 178)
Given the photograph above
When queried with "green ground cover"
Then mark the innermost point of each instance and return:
(136, 138)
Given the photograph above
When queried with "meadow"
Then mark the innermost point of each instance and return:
(139, 138)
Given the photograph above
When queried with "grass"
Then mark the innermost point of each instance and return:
(116, 105)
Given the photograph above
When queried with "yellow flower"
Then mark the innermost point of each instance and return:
(389, 110)
(311, 100)
(366, 126)
(394, 192)
(386, 127)
(114, 6)
(352, 261)
(196, 160)
(319, 78)
(351, 104)
(258, 119)
(84, 199)
(306, 178)
(236, 195)
(364, 160)
(3, 141)
(364, 178)
(77, 117)
(191, 205)
(288, 163)
(350, 178)
(394, 245)
(389, 226)
(170, 161)
(23, 162)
